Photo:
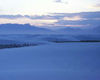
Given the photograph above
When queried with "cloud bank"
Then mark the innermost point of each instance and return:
(83, 19)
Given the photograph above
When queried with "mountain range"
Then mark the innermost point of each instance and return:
(21, 29)
(30, 29)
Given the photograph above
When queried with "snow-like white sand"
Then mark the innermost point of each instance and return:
(64, 61)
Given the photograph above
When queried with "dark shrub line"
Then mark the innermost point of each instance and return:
(2, 46)
(76, 41)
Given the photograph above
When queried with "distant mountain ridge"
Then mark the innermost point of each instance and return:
(31, 29)
(21, 29)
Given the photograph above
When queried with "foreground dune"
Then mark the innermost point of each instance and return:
(56, 61)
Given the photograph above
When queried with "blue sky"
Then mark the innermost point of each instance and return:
(49, 12)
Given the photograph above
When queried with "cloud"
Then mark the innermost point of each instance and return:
(55, 19)
(58, 1)
(78, 19)
(11, 16)
(61, 1)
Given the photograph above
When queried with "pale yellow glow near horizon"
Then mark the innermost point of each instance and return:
(36, 22)
(75, 18)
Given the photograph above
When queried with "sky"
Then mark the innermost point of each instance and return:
(19, 9)
(41, 7)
